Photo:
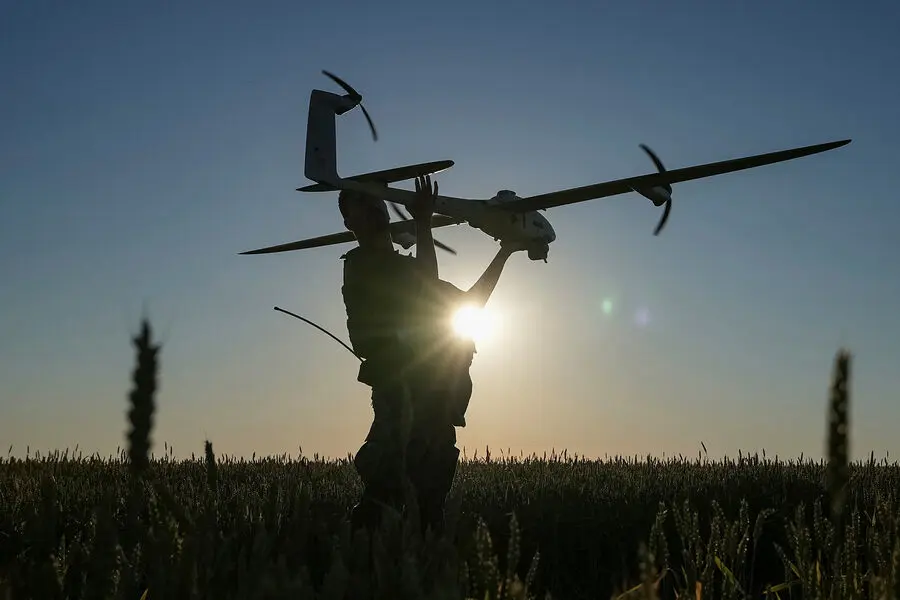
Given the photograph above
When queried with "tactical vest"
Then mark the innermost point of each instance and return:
(377, 288)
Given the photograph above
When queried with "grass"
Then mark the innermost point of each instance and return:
(136, 526)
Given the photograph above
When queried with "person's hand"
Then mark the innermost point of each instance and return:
(423, 206)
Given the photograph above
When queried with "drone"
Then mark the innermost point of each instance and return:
(505, 216)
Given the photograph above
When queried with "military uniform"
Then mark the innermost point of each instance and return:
(398, 322)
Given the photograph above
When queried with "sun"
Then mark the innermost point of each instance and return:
(473, 323)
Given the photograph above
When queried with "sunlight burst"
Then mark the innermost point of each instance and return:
(473, 323)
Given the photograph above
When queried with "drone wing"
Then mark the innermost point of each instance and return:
(347, 236)
(388, 175)
(324, 240)
(630, 184)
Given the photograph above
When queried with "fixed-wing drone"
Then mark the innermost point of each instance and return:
(505, 216)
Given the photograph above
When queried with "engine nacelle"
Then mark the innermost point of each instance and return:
(658, 195)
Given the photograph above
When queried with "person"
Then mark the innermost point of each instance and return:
(398, 317)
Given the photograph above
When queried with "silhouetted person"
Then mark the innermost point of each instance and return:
(398, 319)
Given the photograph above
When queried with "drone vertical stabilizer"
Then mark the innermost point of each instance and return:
(321, 143)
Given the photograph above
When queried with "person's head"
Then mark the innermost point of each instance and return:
(366, 216)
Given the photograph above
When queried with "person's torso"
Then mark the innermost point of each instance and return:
(376, 288)
(388, 301)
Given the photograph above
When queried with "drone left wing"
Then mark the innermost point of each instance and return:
(631, 184)
(324, 240)
(347, 236)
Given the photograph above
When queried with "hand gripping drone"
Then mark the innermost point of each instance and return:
(505, 216)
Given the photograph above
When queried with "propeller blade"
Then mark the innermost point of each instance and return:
(397, 211)
(664, 218)
(356, 96)
(658, 163)
(445, 247)
(350, 91)
(407, 217)
(667, 187)
(371, 124)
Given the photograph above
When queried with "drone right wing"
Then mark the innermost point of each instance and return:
(347, 236)
(630, 184)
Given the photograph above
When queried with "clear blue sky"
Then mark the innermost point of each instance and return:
(144, 146)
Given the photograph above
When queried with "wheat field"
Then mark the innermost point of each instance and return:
(139, 526)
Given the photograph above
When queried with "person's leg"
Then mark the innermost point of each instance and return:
(440, 405)
(434, 486)
(380, 462)
(432, 457)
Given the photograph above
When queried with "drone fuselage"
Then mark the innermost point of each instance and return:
(529, 227)
(505, 225)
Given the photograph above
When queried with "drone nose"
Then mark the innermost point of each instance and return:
(551, 234)
(546, 229)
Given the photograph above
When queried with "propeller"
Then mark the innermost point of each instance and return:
(406, 217)
(667, 187)
(356, 97)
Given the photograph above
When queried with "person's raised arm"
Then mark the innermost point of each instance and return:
(479, 293)
(422, 211)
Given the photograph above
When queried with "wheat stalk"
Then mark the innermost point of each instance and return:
(141, 400)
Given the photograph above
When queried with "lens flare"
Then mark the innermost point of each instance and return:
(607, 306)
(642, 317)
(473, 323)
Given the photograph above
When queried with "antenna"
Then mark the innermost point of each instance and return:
(322, 329)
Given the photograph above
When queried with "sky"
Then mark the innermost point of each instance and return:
(145, 145)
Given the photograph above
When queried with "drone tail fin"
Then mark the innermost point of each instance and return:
(321, 142)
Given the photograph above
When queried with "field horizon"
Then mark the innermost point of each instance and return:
(135, 524)
(479, 455)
